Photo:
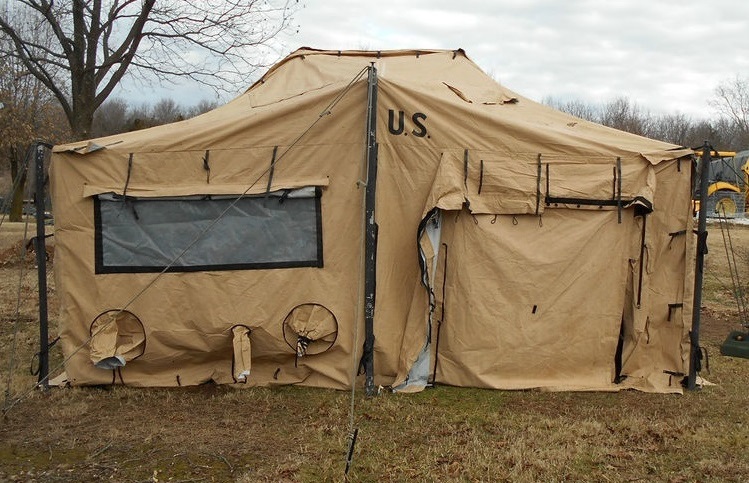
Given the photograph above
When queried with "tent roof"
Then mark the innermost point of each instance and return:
(436, 76)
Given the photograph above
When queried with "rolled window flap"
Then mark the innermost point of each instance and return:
(310, 329)
(242, 359)
(104, 343)
(117, 337)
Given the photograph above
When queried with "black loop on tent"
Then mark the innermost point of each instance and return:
(674, 234)
(642, 261)
(481, 175)
(494, 220)
(442, 317)
(36, 357)
(465, 168)
(672, 374)
(271, 170)
(702, 242)
(540, 221)
(514, 220)
(207, 166)
(671, 308)
(619, 189)
(129, 200)
(538, 183)
(129, 172)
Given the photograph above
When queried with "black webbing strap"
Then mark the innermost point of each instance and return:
(271, 170)
(672, 374)
(619, 188)
(702, 242)
(441, 319)
(125, 197)
(127, 179)
(207, 166)
(642, 258)
(548, 183)
(465, 168)
(538, 183)
(674, 234)
(481, 175)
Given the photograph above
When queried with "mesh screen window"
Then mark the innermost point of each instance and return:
(283, 230)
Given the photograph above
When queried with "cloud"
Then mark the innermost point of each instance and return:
(666, 55)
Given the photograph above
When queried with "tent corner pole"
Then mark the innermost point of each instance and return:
(370, 233)
(694, 334)
(41, 262)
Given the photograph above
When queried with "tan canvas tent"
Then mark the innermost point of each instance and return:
(396, 209)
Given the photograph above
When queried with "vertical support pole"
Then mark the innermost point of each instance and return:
(41, 262)
(694, 334)
(370, 243)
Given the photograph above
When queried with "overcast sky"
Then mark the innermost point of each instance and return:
(667, 56)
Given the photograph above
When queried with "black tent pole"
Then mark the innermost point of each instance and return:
(370, 243)
(694, 334)
(41, 262)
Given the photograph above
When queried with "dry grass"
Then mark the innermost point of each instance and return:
(211, 433)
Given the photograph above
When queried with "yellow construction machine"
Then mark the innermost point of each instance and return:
(728, 185)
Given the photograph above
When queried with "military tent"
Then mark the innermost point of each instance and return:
(395, 212)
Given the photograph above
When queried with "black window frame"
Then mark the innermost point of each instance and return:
(102, 268)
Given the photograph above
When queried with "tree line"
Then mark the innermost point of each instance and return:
(728, 130)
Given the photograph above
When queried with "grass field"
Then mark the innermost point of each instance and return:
(216, 433)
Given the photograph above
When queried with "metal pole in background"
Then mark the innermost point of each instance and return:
(370, 244)
(41, 262)
(695, 355)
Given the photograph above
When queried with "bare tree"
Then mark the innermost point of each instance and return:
(672, 128)
(201, 107)
(166, 111)
(575, 107)
(732, 101)
(110, 118)
(98, 42)
(625, 115)
(27, 112)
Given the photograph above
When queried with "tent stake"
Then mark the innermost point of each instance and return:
(41, 262)
(370, 244)
(694, 334)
